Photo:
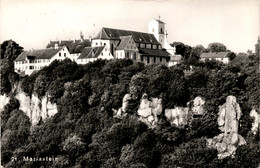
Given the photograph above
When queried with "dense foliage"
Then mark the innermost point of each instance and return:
(84, 132)
(9, 51)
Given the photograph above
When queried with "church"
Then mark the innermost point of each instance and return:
(109, 43)
(149, 48)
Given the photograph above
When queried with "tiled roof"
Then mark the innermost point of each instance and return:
(215, 55)
(154, 52)
(74, 46)
(91, 52)
(123, 42)
(38, 54)
(22, 56)
(114, 34)
(240, 59)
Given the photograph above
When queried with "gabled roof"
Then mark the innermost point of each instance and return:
(91, 52)
(159, 21)
(123, 42)
(240, 58)
(74, 46)
(215, 55)
(154, 52)
(22, 56)
(47, 53)
(114, 34)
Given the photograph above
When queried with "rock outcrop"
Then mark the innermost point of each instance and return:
(256, 123)
(36, 108)
(198, 106)
(4, 100)
(178, 116)
(182, 116)
(149, 110)
(122, 111)
(228, 121)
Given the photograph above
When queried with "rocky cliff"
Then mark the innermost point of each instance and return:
(149, 111)
(34, 107)
(228, 121)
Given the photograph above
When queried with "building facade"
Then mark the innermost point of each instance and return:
(139, 46)
(34, 60)
(75, 47)
(90, 54)
(218, 56)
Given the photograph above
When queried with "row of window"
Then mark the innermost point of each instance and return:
(30, 67)
(33, 61)
(63, 54)
(86, 60)
(151, 59)
(139, 45)
(101, 44)
(149, 46)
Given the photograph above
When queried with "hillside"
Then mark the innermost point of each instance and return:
(122, 113)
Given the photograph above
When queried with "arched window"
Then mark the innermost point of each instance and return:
(161, 30)
(134, 56)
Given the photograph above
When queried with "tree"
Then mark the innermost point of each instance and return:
(197, 50)
(10, 50)
(216, 47)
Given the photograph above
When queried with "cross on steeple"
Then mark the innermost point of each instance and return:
(159, 17)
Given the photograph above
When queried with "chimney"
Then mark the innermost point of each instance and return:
(56, 46)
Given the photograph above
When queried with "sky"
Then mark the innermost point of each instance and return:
(33, 23)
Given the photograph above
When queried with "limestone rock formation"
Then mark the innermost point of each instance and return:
(256, 123)
(228, 121)
(198, 106)
(122, 110)
(36, 108)
(180, 116)
(149, 110)
(3, 101)
(177, 116)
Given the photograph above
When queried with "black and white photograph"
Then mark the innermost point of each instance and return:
(130, 83)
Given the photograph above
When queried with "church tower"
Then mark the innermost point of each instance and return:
(157, 28)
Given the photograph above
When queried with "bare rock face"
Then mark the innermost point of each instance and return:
(4, 100)
(256, 123)
(180, 116)
(36, 108)
(149, 110)
(122, 111)
(177, 116)
(228, 120)
(198, 106)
